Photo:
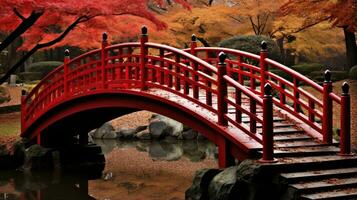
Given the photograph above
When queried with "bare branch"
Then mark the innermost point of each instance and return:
(17, 13)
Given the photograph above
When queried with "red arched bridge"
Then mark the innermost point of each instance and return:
(232, 97)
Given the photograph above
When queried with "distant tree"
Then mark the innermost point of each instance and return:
(43, 23)
(340, 13)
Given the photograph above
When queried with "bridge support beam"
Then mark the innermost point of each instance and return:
(225, 158)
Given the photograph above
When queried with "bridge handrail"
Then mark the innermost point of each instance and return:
(187, 70)
(179, 51)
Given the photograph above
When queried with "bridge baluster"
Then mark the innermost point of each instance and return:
(177, 71)
(143, 57)
(345, 124)
(208, 82)
(311, 112)
(252, 110)
(194, 66)
(103, 58)
(296, 95)
(23, 109)
(327, 109)
(267, 132)
(65, 72)
(282, 93)
(263, 65)
(162, 66)
(222, 90)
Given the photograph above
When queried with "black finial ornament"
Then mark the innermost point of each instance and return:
(222, 57)
(104, 37)
(23, 92)
(66, 53)
(144, 30)
(264, 45)
(345, 88)
(193, 38)
(267, 89)
(327, 76)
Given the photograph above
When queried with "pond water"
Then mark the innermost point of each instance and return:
(134, 170)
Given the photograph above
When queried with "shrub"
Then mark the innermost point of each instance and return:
(251, 43)
(307, 68)
(44, 67)
(353, 73)
(30, 76)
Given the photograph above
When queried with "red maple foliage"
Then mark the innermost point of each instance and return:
(93, 17)
(43, 23)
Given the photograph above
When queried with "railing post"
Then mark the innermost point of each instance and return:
(263, 65)
(222, 90)
(194, 65)
(23, 109)
(327, 109)
(143, 59)
(103, 58)
(267, 132)
(65, 72)
(345, 133)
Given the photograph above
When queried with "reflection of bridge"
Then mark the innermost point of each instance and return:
(236, 101)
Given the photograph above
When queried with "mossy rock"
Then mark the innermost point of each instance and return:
(44, 67)
(353, 73)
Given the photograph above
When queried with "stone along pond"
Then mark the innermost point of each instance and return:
(135, 168)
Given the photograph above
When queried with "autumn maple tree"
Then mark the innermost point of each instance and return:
(340, 13)
(43, 23)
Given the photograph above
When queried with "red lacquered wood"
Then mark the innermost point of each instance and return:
(143, 59)
(263, 66)
(268, 141)
(345, 132)
(222, 91)
(327, 109)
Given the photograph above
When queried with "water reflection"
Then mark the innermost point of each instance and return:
(42, 186)
(135, 170)
(165, 150)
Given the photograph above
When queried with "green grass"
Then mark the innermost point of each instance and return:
(10, 124)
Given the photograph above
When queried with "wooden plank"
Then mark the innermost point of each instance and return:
(345, 194)
(321, 174)
(325, 184)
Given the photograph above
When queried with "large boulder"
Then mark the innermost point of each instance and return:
(158, 129)
(143, 135)
(5, 162)
(125, 133)
(161, 126)
(39, 158)
(222, 184)
(18, 153)
(106, 131)
(199, 187)
(189, 134)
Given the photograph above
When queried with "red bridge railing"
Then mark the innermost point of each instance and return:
(191, 73)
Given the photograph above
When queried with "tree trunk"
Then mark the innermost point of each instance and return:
(351, 48)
